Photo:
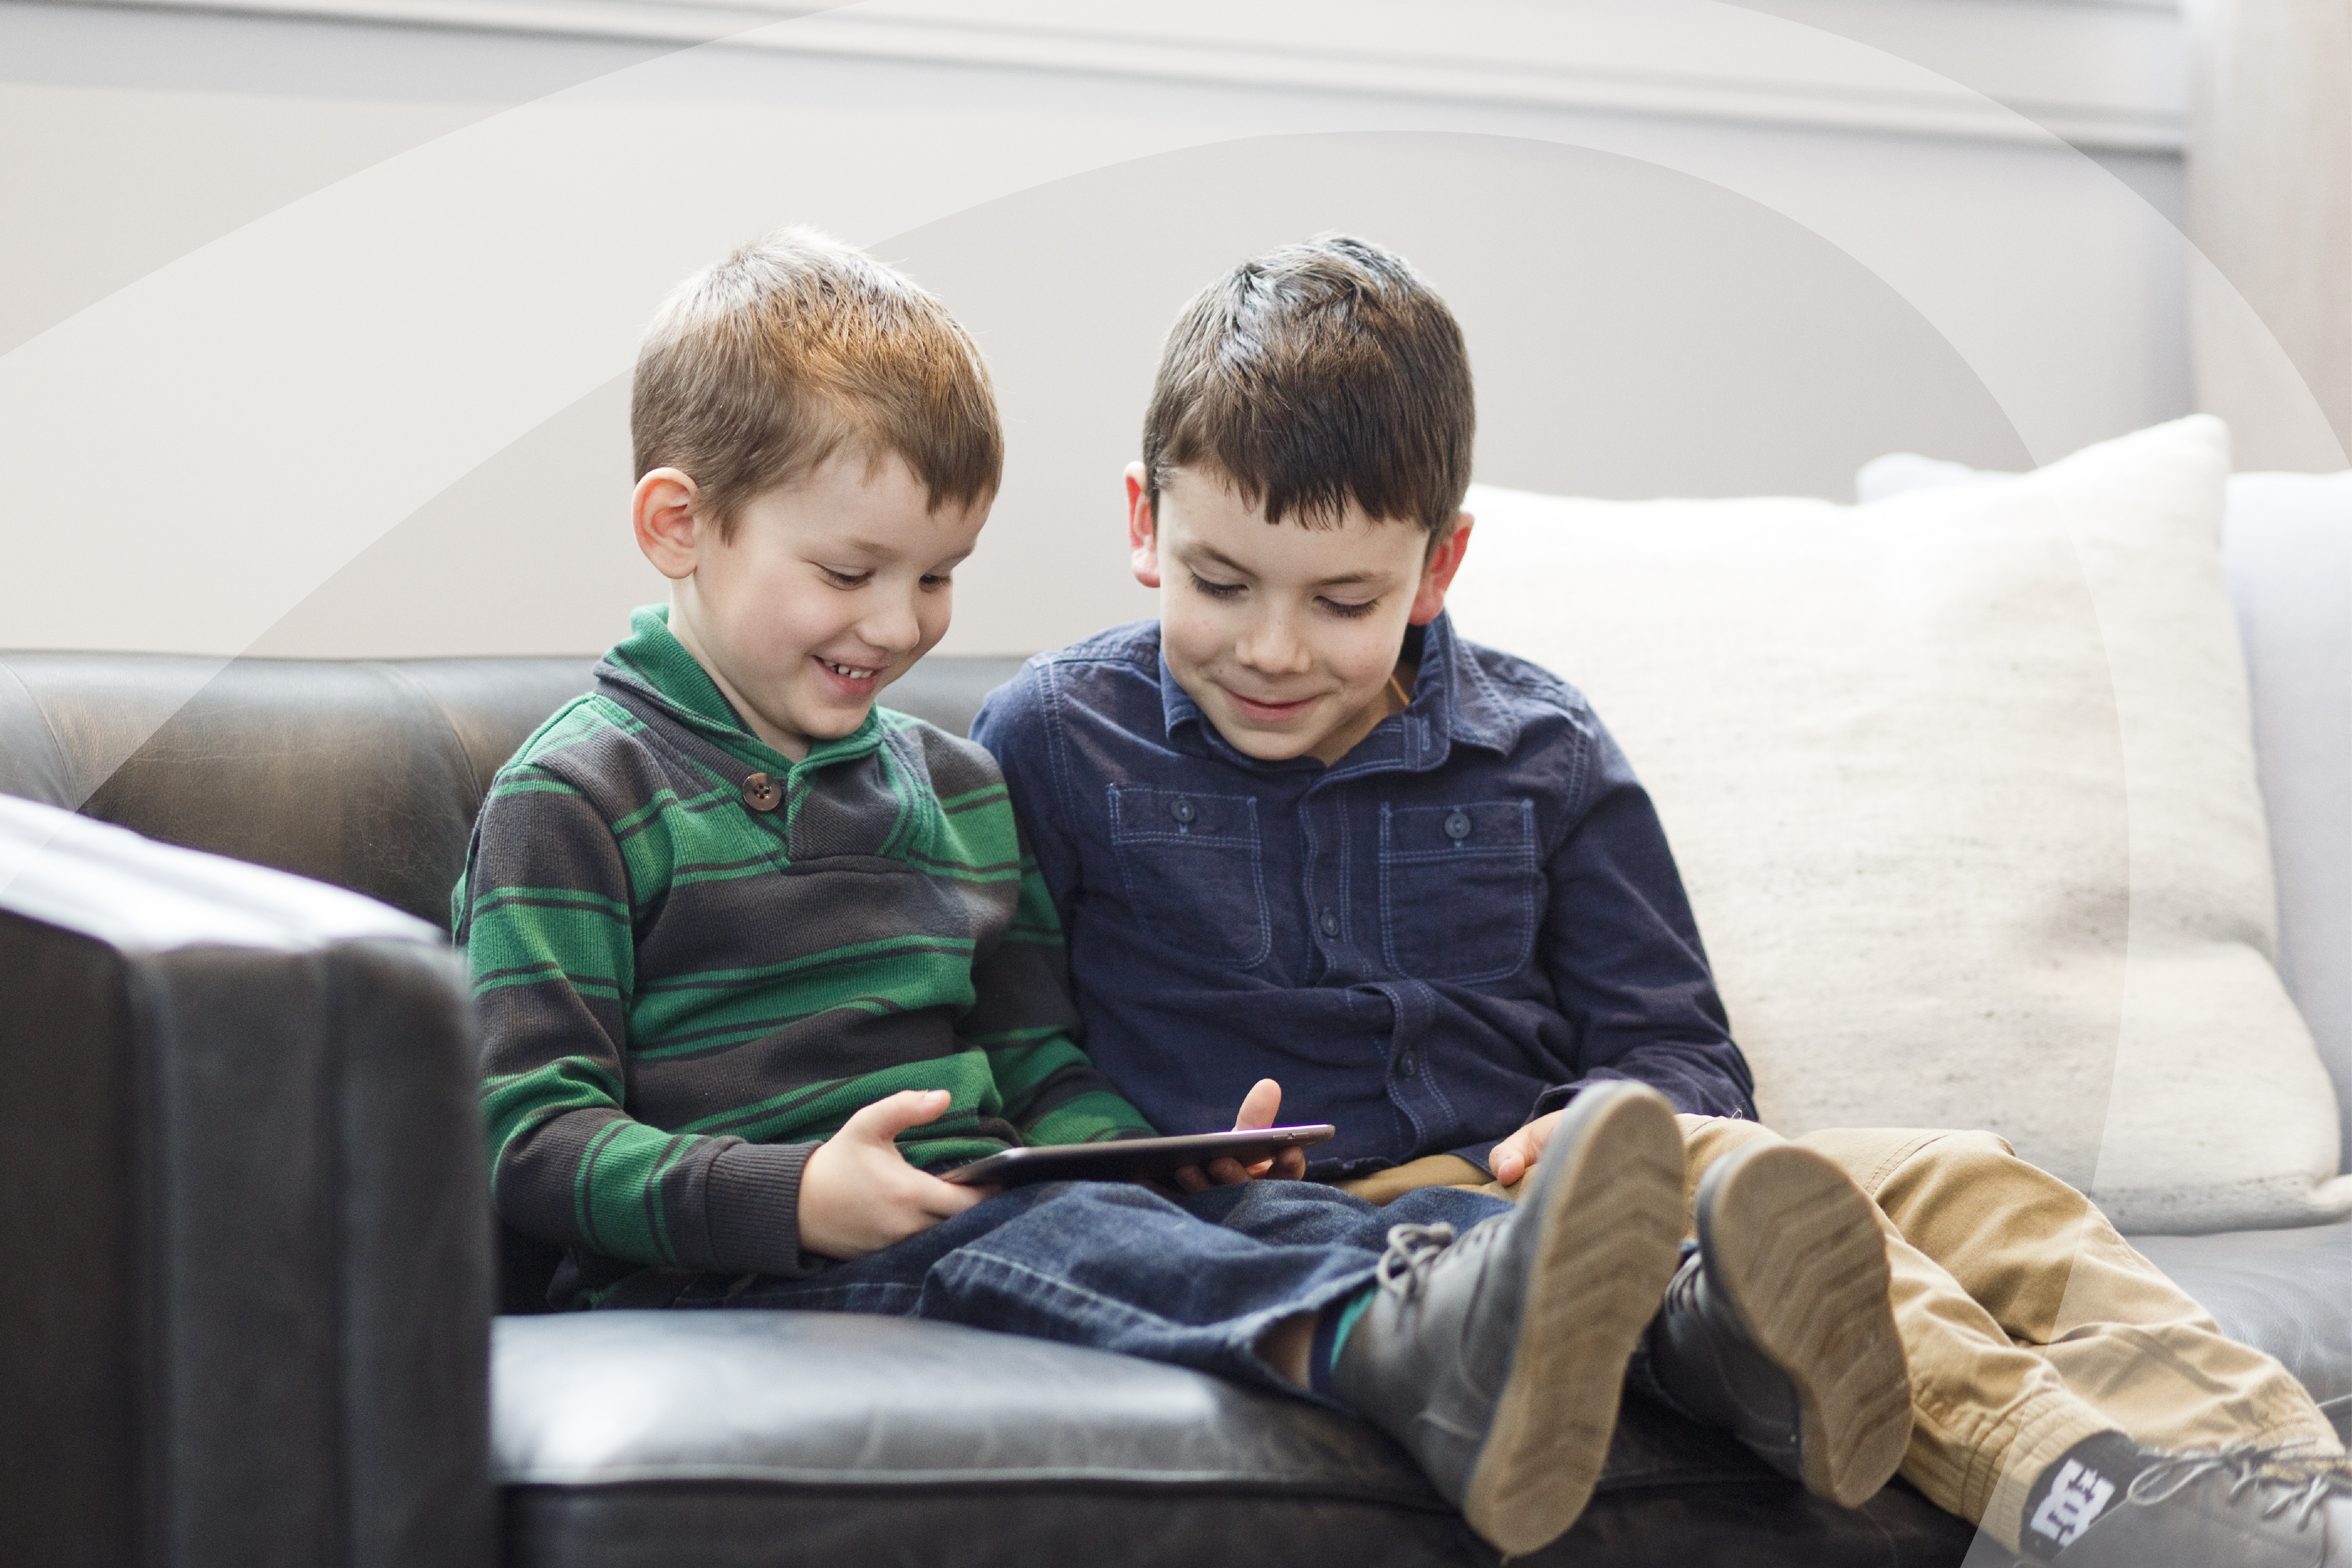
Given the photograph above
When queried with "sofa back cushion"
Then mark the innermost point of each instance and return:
(2286, 544)
(365, 774)
(2286, 548)
(1962, 784)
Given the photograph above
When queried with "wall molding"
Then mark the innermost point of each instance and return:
(2033, 67)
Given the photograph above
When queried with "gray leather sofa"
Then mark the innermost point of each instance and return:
(253, 1316)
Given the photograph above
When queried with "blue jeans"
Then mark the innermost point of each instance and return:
(1194, 1281)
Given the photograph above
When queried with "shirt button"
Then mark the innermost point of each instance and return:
(1457, 827)
(1182, 810)
(1330, 923)
(1404, 1062)
(761, 793)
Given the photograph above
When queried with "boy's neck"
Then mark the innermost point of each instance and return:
(1395, 699)
(791, 746)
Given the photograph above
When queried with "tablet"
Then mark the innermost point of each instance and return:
(1130, 1159)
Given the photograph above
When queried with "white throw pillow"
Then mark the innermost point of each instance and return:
(1962, 786)
(2287, 552)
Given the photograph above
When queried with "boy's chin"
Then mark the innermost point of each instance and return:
(837, 721)
(1266, 745)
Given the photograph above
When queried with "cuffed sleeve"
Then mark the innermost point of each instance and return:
(754, 1207)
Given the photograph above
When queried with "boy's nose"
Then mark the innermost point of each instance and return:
(1272, 645)
(892, 627)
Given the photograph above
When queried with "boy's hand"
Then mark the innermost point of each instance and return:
(1515, 1157)
(858, 1195)
(1259, 1107)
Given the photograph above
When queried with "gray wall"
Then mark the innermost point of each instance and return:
(1654, 305)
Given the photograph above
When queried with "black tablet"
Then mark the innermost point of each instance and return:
(1130, 1159)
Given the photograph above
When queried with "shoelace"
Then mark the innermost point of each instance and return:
(1411, 1249)
(2310, 1478)
(2307, 1478)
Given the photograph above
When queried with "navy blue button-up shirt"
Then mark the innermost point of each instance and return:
(1440, 936)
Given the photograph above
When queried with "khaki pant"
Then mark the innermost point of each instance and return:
(2028, 1322)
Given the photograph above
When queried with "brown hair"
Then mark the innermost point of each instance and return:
(1314, 376)
(796, 347)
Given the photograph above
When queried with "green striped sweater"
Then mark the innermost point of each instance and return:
(680, 994)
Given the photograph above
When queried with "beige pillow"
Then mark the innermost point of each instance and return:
(1963, 785)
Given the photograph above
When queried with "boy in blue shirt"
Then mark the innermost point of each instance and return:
(1296, 826)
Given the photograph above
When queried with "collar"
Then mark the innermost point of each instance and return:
(652, 663)
(1453, 703)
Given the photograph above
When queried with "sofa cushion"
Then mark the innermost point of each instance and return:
(2286, 547)
(2286, 544)
(2288, 1292)
(719, 1438)
(362, 773)
(1962, 784)
(365, 774)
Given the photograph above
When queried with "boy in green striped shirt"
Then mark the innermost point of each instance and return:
(754, 957)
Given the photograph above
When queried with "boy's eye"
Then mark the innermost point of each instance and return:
(1215, 590)
(1349, 612)
(937, 579)
(845, 579)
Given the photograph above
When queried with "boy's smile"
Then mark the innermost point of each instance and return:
(1286, 634)
(829, 589)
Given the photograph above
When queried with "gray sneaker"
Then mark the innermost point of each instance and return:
(1496, 1360)
(1777, 1329)
(2245, 1507)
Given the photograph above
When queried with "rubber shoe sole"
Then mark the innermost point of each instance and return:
(1797, 1249)
(1613, 1230)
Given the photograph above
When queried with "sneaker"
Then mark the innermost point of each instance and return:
(1496, 1360)
(2244, 1506)
(1778, 1330)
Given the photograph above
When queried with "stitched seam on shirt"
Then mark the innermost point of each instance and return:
(1318, 965)
(1346, 899)
(1429, 1078)
(1576, 807)
(1049, 698)
(1387, 917)
(916, 826)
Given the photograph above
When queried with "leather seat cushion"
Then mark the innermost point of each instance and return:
(2288, 1292)
(723, 1439)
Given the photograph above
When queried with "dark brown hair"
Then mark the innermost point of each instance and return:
(759, 368)
(1314, 376)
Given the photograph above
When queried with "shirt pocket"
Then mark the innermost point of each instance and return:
(1192, 871)
(1458, 888)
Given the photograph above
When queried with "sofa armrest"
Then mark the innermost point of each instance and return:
(247, 1210)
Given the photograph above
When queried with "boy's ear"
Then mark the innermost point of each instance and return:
(1437, 571)
(662, 512)
(1142, 529)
